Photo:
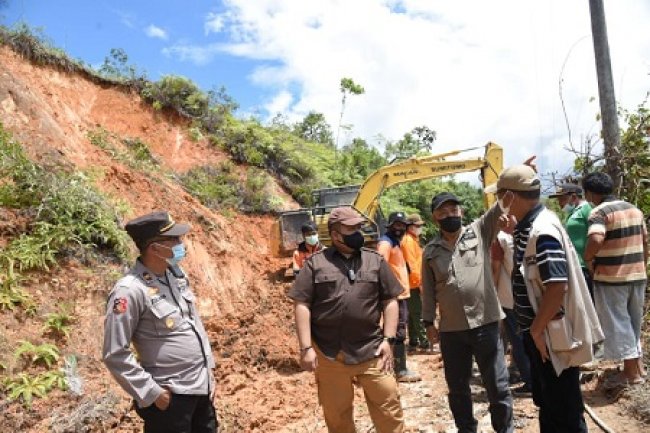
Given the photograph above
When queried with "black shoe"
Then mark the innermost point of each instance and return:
(524, 390)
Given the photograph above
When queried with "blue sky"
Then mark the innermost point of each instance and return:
(473, 71)
(89, 29)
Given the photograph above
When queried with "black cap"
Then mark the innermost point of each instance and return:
(307, 227)
(566, 188)
(156, 224)
(397, 217)
(441, 198)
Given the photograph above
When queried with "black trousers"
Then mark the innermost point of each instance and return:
(559, 398)
(185, 414)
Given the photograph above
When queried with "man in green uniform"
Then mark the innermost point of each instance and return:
(570, 198)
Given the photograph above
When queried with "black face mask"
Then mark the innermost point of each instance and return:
(354, 241)
(397, 234)
(451, 224)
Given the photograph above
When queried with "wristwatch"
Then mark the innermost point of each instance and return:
(391, 340)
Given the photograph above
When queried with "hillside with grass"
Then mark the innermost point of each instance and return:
(84, 150)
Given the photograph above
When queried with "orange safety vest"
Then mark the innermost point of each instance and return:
(412, 252)
(393, 255)
(304, 252)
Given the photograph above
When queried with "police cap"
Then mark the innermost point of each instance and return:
(154, 225)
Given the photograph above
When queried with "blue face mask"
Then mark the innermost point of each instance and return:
(178, 254)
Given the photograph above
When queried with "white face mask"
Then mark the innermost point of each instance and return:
(417, 231)
(504, 209)
(568, 208)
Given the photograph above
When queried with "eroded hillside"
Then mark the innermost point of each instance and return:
(65, 120)
(108, 138)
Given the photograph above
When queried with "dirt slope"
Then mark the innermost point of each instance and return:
(240, 288)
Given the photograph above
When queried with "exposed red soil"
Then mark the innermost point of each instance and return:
(242, 296)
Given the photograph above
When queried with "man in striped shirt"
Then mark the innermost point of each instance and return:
(617, 255)
(558, 396)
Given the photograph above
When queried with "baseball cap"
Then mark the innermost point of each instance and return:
(441, 198)
(156, 224)
(414, 220)
(566, 188)
(516, 178)
(396, 217)
(346, 216)
(308, 227)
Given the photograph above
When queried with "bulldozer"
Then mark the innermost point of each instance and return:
(286, 234)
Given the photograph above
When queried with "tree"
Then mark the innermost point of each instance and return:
(116, 66)
(314, 127)
(420, 139)
(348, 87)
(357, 160)
(634, 157)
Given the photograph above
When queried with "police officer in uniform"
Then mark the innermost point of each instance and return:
(152, 307)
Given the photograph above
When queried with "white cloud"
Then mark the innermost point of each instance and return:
(156, 32)
(281, 103)
(214, 23)
(473, 71)
(199, 55)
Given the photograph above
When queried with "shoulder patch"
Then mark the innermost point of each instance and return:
(119, 305)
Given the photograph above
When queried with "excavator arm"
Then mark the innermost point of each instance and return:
(414, 169)
(285, 233)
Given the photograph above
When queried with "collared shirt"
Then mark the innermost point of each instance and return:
(458, 278)
(158, 315)
(413, 255)
(621, 258)
(345, 314)
(576, 227)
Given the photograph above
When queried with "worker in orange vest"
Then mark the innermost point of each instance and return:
(389, 247)
(412, 252)
(309, 245)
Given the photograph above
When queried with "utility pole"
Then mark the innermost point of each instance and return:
(611, 134)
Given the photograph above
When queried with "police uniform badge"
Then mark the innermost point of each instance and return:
(153, 291)
(119, 305)
(169, 323)
(147, 277)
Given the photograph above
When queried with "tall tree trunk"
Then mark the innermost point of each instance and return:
(611, 134)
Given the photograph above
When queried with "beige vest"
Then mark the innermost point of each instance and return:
(571, 338)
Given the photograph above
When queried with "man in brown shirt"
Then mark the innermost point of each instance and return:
(340, 295)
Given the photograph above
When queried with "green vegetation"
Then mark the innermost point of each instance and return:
(11, 295)
(215, 187)
(45, 353)
(221, 188)
(26, 387)
(58, 324)
(136, 155)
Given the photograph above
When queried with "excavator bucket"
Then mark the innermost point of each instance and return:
(286, 234)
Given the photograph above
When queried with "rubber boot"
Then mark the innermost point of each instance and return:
(402, 373)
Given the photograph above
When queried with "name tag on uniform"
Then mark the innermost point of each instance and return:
(469, 234)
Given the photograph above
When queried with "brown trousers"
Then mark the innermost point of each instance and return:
(336, 395)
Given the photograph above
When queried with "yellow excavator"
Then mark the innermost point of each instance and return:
(286, 234)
